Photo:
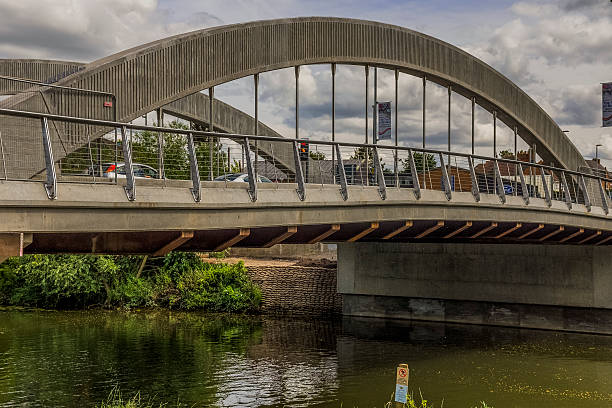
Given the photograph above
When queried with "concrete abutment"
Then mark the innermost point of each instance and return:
(560, 287)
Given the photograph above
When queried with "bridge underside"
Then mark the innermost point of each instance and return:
(98, 219)
(149, 242)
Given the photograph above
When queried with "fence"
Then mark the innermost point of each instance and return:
(140, 152)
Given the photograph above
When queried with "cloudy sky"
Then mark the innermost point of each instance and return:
(557, 51)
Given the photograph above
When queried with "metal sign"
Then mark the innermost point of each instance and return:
(384, 120)
(606, 100)
(401, 383)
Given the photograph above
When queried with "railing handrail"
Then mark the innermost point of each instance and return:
(118, 125)
(44, 84)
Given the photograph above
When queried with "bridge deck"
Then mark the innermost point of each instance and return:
(90, 218)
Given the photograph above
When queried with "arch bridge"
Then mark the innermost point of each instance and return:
(488, 221)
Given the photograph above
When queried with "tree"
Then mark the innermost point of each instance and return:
(145, 150)
(430, 162)
(317, 155)
(506, 154)
(360, 154)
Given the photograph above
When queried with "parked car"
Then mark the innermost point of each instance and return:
(109, 170)
(241, 177)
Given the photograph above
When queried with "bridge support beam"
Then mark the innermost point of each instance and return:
(175, 243)
(548, 286)
(13, 245)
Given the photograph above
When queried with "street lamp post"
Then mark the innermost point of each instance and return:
(596, 152)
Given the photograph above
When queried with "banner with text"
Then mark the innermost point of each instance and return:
(606, 99)
(384, 120)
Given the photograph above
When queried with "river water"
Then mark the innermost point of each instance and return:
(77, 358)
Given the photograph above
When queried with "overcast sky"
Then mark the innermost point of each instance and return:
(557, 51)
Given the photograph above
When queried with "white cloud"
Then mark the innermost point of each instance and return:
(84, 30)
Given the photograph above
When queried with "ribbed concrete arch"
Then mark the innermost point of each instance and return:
(48, 71)
(193, 108)
(155, 74)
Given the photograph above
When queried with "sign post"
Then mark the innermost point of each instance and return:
(401, 385)
(606, 101)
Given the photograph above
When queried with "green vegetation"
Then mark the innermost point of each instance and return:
(178, 281)
(145, 150)
(315, 155)
(430, 162)
(116, 400)
(411, 402)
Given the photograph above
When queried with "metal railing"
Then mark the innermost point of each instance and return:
(206, 156)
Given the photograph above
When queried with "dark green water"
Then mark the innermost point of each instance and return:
(76, 358)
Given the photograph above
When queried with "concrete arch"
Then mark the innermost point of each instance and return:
(156, 74)
(193, 108)
(48, 71)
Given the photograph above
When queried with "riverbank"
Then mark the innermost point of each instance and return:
(182, 281)
(179, 281)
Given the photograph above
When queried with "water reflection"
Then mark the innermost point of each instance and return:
(76, 358)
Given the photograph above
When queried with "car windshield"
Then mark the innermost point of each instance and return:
(228, 177)
(260, 179)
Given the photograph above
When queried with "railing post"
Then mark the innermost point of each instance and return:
(568, 197)
(416, 185)
(380, 177)
(195, 171)
(547, 192)
(525, 191)
(160, 145)
(604, 197)
(130, 188)
(341, 174)
(51, 183)
(499, 183)
(299, 175)
(475, 188)
(585, 192)
(252, 182)
(445, 179)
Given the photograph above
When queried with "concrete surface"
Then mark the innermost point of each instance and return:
(560, 275)
(287, 251)
(99, 218)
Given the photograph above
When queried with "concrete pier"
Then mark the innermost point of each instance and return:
(559, 287)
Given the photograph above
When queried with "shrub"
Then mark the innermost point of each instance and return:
(218, 287)
(178, 280)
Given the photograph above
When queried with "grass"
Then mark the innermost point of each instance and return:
(116, 400)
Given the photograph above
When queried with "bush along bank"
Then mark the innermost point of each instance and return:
(178, 281)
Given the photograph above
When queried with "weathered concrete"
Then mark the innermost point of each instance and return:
(564, 318)
(288, 251)
(98, 218)
(194, 108)
(560, 275)
(168, 205)
(529, 286)
(48, 71)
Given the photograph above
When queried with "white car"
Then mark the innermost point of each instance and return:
(241, 177)
(140, 170)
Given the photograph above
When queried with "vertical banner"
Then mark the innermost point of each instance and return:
(384, 120)
(606, 100)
